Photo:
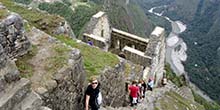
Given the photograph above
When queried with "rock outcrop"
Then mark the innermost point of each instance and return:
(114, 88)
(12, 37)
(68, 94)
(15, 92)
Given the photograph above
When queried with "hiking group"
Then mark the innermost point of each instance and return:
(136, 90)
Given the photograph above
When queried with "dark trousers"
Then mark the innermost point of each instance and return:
(149, 88)
(94, 108)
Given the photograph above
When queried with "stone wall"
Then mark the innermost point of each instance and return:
(99, 26)
(15, 92)
(136, 56)
(113, 86)
(64, 28)
(12, 37)
(102, 27)
(156, 50)
(69, 91)
(121, 39)
(96, 40)
(8, 70)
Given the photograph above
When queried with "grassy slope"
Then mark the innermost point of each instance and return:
(94, 59)
(173, 101)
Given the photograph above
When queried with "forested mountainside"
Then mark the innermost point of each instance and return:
(128, 16)
(202, 36)
(124, 14)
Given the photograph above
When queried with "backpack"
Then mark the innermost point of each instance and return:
(98, 100)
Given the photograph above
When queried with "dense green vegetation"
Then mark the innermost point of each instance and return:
(127, 17)
(206, 104)
(27, 2)
(205, 30)
(77, 19)
(203, 27)
(177, 80)
(156, 20)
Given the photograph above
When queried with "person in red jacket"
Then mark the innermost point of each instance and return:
(133, 93)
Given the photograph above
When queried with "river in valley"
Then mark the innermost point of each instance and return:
(176, 47)
(176, 50)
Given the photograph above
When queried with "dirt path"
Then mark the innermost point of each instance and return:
(44, 44)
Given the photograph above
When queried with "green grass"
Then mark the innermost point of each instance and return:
(206, 104)
(25, 68)
(27, 27)
(173, 100)
(42, 21)
(26, 2)
(95, 60)
(3, 13)
(58, 60)
(177, 80)
(127, 69)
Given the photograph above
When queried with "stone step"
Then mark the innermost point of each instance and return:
(8, 74)
(44, 108)
(31, 101)
(14, 94)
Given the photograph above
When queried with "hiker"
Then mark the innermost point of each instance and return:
(150, 84)
(133, 93)
(90, 42)
(122, 55)
(143, 88)
(164, 81)
(93, 95)
(139, 85)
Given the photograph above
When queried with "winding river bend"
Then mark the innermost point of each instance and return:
(176, 47)
(176, 50)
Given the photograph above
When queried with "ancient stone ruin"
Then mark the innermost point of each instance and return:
(66, 90)
(148, 52)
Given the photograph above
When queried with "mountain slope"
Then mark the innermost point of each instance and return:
(127, 15)
(202, 36)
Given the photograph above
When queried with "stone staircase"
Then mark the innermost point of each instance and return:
(15, 93)
(184, 92)
(149, 103)
(17, 96)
